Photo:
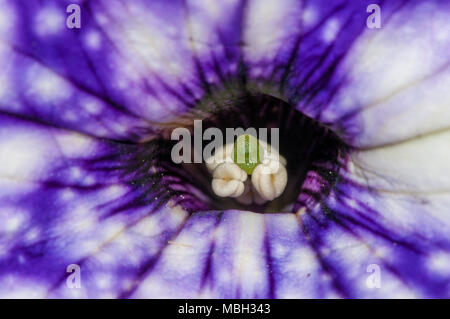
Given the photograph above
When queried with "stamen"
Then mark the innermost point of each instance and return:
(269, 179)
(228, 180)
(253, 157)
(250, 195)
(222, 155)
(271, 153)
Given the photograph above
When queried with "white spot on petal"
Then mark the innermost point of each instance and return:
(49, 21)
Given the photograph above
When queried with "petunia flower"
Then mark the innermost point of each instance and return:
(87, 182)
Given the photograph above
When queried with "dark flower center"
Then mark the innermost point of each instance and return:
(313, 152)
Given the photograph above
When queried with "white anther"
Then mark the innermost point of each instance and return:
(270, 153)
(250, 196)
(222, 155)
(228, 180)
(270, 179)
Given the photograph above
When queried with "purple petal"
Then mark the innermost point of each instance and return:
(67, 97)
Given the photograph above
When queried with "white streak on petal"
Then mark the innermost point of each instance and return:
(418, 165)
(24, 154)
(268, 25)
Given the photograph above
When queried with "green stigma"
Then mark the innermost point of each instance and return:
(247, 153)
